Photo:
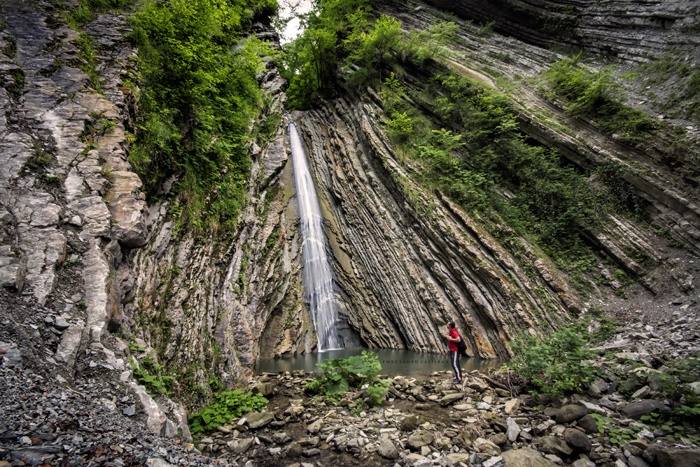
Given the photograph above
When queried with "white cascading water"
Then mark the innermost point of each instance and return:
(318, 275)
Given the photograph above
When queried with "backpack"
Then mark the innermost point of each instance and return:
(462, 347)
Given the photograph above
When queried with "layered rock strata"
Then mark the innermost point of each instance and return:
(70, 208)
(408, 261)
(669, 196)
(630, 30)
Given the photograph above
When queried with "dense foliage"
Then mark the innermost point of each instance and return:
(554, 365)
(470, 147)
(338, 376)
(227, 406)
(343, 44)
(199, 96)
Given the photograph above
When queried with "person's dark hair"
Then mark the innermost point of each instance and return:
(451, 324)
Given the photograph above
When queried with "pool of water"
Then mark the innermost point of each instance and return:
(394, 362)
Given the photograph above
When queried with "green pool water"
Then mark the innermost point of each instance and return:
(394, 362)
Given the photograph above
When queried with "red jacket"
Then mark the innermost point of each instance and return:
(453, 345)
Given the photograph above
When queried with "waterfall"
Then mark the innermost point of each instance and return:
(318, 275)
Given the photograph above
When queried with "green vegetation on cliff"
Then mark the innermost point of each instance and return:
(198, 98)
(464, 139)
(592, 94)
(344, 44)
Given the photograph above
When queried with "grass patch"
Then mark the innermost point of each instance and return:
(592, 94)
(86, 10)
(88, 60)
(683, 77)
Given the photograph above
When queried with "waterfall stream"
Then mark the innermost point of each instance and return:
(318, 275)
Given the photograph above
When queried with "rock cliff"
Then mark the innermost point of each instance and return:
(89, 268)
(629, 30)
(408, 261)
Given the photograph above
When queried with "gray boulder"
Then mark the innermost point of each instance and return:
(569, 413)
(577, 440)
(525, 457)
(672, 457)
(587, 422)
(554, 445)
(387, 449)
(420, 438)
(642, 407)
(259, 419)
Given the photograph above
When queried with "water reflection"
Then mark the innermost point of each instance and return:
(394, 362)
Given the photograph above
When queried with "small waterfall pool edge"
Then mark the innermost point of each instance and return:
(394, 362)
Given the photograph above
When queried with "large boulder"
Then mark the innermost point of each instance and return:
(672, 457)
(525, 457)
(387, 449)
(484, 446)
(645, 406)
(588, 423)
(570, 413)
(451, 398)
(554, 445)
(409, 423)
(257, 420)
(577, 440)
(420, 438)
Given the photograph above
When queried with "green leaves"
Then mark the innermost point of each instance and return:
(227, 406)
(198, 99)
(152, 375)
(592, 94)
(555, 365)
(339, 375)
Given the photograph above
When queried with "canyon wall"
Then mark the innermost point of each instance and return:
(408, 261)
(629, 30)
(80, 242)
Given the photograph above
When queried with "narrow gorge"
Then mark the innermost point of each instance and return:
(189, 190)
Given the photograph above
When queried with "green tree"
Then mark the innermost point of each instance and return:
(199, 95)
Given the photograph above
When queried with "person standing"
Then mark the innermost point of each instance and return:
(453, 339)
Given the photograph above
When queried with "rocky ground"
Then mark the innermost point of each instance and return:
(428, 421)
(54, 416)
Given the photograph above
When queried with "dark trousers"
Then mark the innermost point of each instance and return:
(454, 361)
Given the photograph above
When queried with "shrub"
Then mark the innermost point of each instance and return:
(339, 375)
(227, 406)
(400, 126)
(555, 365)
(376, 392)
(153, 376)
